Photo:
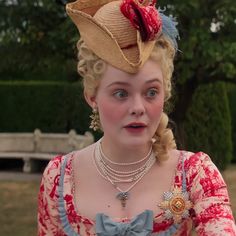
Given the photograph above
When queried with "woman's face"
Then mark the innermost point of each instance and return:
(130, 105)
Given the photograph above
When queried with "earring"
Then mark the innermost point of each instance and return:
(95, 121)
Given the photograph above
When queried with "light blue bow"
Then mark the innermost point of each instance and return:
(141, 225)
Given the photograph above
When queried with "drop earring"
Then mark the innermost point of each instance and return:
(95, 121)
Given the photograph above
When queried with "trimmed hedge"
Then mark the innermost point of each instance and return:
(58, 107)
(49, 106)
(208, 124)
(232, 104)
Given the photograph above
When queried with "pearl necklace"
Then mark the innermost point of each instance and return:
(120, 163)
(115, 176)
(122, 176)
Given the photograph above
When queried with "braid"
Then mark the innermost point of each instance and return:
(164, 139)
(164, 53)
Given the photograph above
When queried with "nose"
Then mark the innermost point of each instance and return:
(137, 107)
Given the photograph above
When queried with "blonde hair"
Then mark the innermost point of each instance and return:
(91, 68)
(164, 53)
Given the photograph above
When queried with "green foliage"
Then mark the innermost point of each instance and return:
(232, 103)
(208, 124)
(36, 37)
(49, 106)
(37, 42)
(207, 55)
(207, 31)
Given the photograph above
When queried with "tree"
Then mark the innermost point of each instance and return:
(207, 47)
(208, 123)
(41, 27)
(35, 36)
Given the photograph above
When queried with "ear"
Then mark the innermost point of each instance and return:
(90, 99)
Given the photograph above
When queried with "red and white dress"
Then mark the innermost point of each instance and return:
(196, 174)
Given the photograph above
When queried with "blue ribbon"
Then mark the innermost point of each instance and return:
(141, 225)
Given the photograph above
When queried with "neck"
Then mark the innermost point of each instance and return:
(121, 153)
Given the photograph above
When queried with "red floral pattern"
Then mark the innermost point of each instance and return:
(146, 19)
(211, 214)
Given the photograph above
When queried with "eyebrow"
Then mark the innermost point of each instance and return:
(154, 80)
(118, 83)
(128, 84)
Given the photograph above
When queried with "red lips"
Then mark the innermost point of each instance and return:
(136, 125)
(135, 128)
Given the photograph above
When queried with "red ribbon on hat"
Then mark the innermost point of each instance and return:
(144, 17)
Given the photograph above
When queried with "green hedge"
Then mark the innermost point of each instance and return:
(208, 124)
(59, 107)
(49, 106)
(232, 103)
(46, 71)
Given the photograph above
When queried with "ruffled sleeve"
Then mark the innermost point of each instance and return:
(48, 217)
(208, 192)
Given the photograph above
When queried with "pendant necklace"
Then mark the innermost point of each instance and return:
(114, 176)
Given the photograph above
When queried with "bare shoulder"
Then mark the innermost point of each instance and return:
(174, 157)
(83, 157)
(84, 170)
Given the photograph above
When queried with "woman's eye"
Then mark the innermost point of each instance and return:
(151, 93)
(120, 94)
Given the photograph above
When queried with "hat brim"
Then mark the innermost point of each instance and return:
(101, 41)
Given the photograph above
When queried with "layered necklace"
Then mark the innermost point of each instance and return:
(111, 172)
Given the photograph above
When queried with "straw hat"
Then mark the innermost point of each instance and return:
(110, 34)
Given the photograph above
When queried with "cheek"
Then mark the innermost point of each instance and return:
(155, 111)
(156, 108)
(110, 113)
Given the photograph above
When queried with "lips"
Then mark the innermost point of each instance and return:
(135, 128)
(136, 125)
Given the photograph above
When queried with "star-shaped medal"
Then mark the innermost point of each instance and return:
(176, 204)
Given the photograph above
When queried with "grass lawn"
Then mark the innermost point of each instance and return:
(18, 204)
(18, 208)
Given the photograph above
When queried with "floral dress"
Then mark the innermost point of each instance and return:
(196, 177)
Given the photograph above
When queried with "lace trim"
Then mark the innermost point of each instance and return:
(64, 218)
(61, 205)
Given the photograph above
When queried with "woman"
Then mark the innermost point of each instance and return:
(133, 181)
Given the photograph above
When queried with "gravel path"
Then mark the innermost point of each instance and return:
(19, 176)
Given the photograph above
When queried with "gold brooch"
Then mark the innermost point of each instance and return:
(176, 204)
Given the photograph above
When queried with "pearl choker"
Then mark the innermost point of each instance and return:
(126, 163)
(115, 176)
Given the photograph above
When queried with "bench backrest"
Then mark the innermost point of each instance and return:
(44, 142)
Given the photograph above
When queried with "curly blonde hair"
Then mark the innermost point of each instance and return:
(91, 68)
(164, 53)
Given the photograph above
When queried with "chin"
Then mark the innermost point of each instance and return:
(136, 142)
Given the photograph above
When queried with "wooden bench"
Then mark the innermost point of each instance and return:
(40, 146)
